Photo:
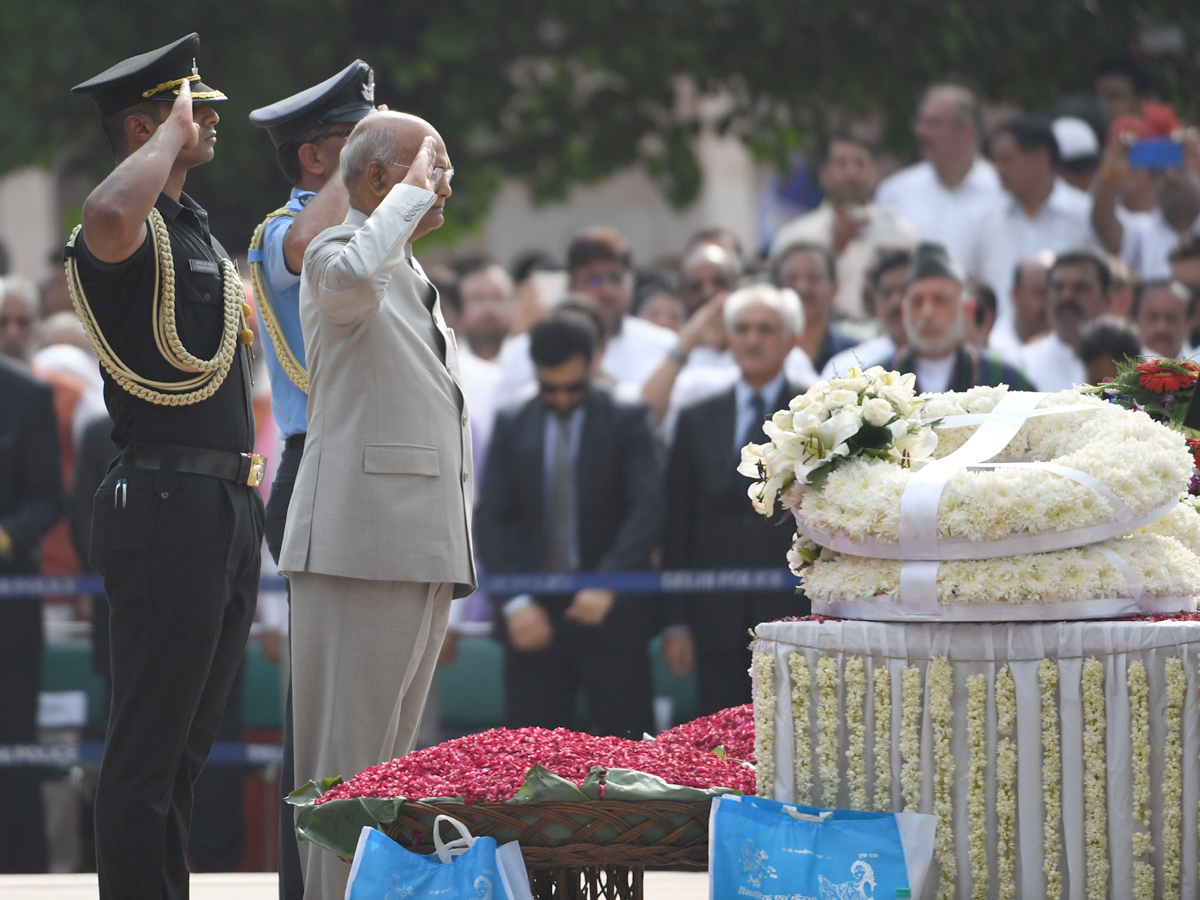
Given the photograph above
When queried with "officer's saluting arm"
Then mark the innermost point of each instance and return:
(326, 209)
(349, 278)
(114, 214)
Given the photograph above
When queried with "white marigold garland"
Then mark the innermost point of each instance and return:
(856, 747)
(1173, 775)
(802, 758)
(1095, 769)
(941, 720)
(883, 739)
(1051, 772)
(1006, 780)
(764, 722)
(827, 729)
(1142, 843)
(977, 784)
(910, 738)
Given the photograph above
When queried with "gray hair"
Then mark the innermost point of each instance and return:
(784, 301)
(24, 288)
(370, 141)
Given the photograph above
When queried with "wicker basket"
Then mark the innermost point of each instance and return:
(575, 851)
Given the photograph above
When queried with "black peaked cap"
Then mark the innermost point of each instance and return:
(149, 76)
(346, 97)
(931, 260)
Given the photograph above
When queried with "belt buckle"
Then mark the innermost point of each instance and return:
(258, 470)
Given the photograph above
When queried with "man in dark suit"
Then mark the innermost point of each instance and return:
(571, 484)
(30, 503)
(711, 522)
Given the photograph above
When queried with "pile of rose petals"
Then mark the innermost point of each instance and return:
(491, 766)
(730, 729)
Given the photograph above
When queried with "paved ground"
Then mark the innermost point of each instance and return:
(659, 886)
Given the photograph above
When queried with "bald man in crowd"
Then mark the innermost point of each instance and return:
(377, 547)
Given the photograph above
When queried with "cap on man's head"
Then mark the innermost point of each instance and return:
(156, 75)
(346, 97)
(931, 260)
(1076, 140)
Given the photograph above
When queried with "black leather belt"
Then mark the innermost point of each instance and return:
(240, 468)
(295, 441)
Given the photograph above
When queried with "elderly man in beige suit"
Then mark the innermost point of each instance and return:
(378, 534)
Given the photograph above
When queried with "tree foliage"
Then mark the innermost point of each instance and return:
(563, 92)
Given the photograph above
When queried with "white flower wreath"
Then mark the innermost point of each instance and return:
(1169, 573)
(1125, 471)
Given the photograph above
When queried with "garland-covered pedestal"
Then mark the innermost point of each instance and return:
(1063, 759)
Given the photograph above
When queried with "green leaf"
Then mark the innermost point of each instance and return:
(818, 476)
(720, 751)
(336, 825)
(543, 786)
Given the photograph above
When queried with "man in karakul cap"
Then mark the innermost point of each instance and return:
(177, 523)
(935, 308)
(309, 130)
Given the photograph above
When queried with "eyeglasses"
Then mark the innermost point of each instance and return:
(436, 176)
(602, 278)
(569, 390)
(317, 138)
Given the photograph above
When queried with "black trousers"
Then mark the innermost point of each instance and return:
(180, 556)
(540, 688)
(22, 833)
(291, 876)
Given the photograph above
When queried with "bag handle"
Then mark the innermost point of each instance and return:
(458, 846)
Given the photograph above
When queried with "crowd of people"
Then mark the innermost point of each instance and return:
(607, 417)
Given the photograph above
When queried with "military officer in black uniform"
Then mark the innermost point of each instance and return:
(177, 522)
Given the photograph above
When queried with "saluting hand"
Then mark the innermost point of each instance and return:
(420, 171)
(181, 117)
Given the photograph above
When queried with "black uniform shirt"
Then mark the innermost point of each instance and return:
(121, 296)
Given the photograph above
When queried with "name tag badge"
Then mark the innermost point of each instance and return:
(207, 266)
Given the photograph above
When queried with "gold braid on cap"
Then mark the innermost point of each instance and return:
(173, 83)
(283, 350)
(211, 372)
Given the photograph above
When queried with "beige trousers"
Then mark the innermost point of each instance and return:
(363, 657)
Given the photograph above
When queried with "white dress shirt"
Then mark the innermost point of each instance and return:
(1007, 234)
(1147, 240)
(885, 230)
(1051, 365)
(630, 358)
(875, 352)
(948, 216)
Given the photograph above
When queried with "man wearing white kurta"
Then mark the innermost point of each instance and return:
(378, 533)
(944, 195)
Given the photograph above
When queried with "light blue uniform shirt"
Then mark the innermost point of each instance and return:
(288, 402)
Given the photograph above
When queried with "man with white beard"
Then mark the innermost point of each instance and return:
(935, 308)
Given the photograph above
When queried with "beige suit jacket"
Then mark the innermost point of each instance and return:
(385, 484)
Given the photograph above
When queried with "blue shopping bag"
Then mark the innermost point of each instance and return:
(765, 850)
(467, 868)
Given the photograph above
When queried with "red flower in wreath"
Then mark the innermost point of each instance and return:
(1194, 446)
(1167, 376)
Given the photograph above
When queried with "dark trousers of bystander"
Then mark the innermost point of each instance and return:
(22, 835)
(540, 689)
(180, 556)
(291, 875)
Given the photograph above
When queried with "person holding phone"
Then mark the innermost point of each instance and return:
(1145, 240)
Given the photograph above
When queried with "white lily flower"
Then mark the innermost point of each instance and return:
(754, 461)
(914, 448)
